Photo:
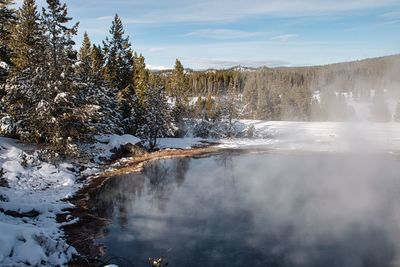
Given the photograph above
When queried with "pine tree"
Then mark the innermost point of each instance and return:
(27, 45)
(230, 107)
(140, 77)
(200, 108)
(60, 119)
(179, 91)
(157, 119)
(7, 19)
(84, 69)
(209, 107)
(97, 64)
(27, 40)
(60, 52)
(130, 109)
(118, 56)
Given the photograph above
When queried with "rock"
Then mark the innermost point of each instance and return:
(134, 150)
(16, 214)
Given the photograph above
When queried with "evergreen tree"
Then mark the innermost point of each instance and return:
(179, 91)
(27, 40)
(60, 52)
(27, 45)
(97, 64)
(84, 69)
(61, 117)
(140, 77)
(118, 56)
(157, 119)
(7, 19)
(130, 108)
(200, 111)
(209, 106)
(230, 106)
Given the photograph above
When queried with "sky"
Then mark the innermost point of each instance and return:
(223, 33)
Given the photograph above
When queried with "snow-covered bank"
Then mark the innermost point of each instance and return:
(320, 136)
(33, 193)
(30, 199)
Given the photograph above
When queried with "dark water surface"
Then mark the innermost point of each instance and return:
(256, 210)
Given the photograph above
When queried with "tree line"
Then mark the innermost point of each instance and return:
(302, 93)
(53, 95)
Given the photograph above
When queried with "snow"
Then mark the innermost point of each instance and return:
(116, 141)
(60, 96)
(107, 143)
(36, 186)
(320, 136)
(4, 65)
(180, 143)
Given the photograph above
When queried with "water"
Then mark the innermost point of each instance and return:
(256, 210)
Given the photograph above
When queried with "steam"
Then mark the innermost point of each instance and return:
(349, 91)
(300, 210)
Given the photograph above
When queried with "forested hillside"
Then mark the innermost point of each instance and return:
(302, 93)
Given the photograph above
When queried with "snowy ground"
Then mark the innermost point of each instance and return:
(32, 194)
(34, 190)
(321, 136)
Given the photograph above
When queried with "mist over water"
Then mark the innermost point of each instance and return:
(257, 210)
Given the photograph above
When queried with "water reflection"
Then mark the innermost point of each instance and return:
(256, 210)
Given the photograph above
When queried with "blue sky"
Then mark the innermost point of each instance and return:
(222, 33)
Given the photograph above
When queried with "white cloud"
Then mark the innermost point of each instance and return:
(222, 34)
(156, 67)
(232, 10)
(391, 15)
(284, 37)
(108, 18)
(222, 63)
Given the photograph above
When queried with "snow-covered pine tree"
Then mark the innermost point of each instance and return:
(60, 52)
(7, 19)
(26, 82)
(157, 119)
(93, 97)
(118, 72)
(118, 56)
(229, 106)
(59, 119)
